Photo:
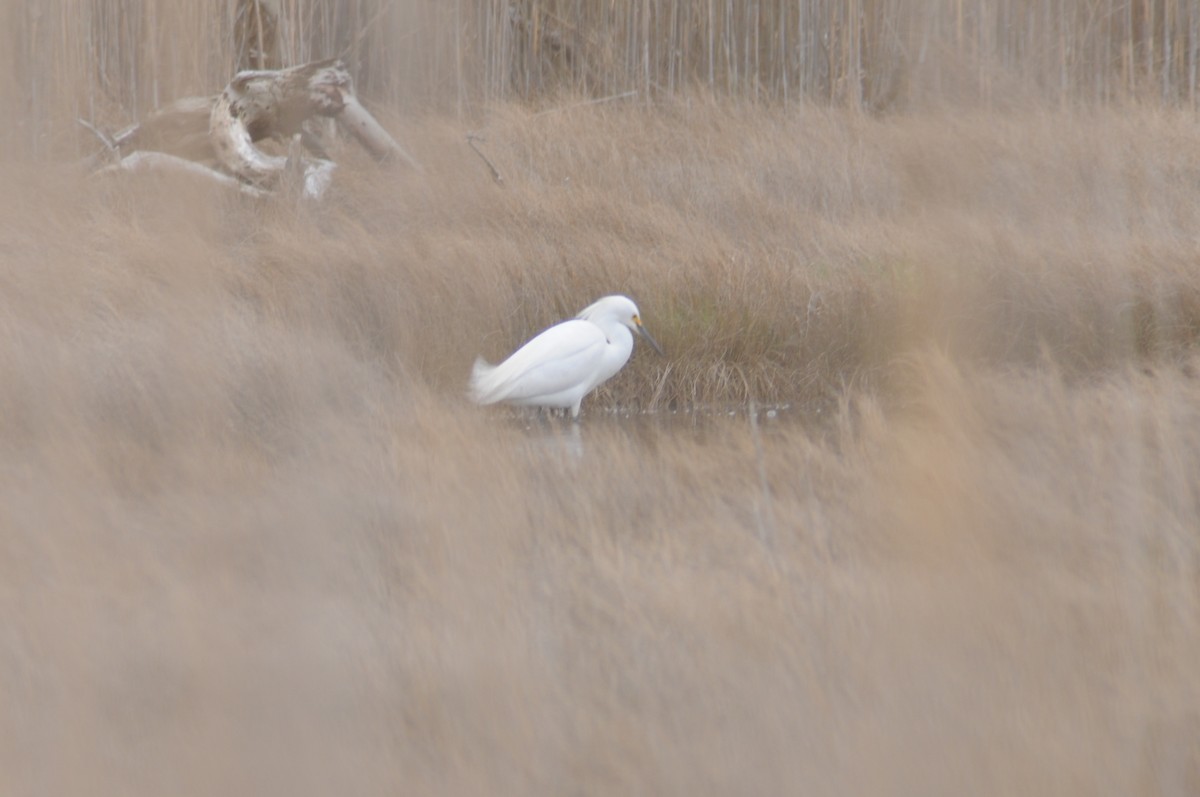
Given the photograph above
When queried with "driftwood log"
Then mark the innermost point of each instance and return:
(217, 136)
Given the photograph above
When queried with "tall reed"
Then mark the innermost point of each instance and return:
(113, 61)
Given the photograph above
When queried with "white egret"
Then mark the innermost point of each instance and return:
(561, 365)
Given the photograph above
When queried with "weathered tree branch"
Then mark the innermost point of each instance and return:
(368, 132)
(275, 103)
(256, 105)
(147, 161)
(180, 128)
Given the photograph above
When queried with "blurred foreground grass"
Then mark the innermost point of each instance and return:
(253, 539)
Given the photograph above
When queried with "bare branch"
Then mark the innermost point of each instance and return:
(161, 161)
(368, 132)
(471, 139)
(105, 138)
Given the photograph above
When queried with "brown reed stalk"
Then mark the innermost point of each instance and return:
(113, 61)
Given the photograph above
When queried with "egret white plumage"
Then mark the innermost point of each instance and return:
(561, 365)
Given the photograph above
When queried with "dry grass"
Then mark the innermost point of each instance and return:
(254, 540)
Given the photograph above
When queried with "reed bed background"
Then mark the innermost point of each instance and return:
(910, 506)
(113, 61)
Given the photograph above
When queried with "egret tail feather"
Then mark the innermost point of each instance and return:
(480, 383)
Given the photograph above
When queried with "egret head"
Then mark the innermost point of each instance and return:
(622, 310)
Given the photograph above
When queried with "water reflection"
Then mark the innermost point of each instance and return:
(557, 435)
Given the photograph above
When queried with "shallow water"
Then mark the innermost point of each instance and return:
(697, 420)
(710, 425)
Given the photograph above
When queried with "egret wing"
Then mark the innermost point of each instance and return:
(562, 357)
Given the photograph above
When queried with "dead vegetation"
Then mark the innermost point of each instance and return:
(113, 62)
(255, 540)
